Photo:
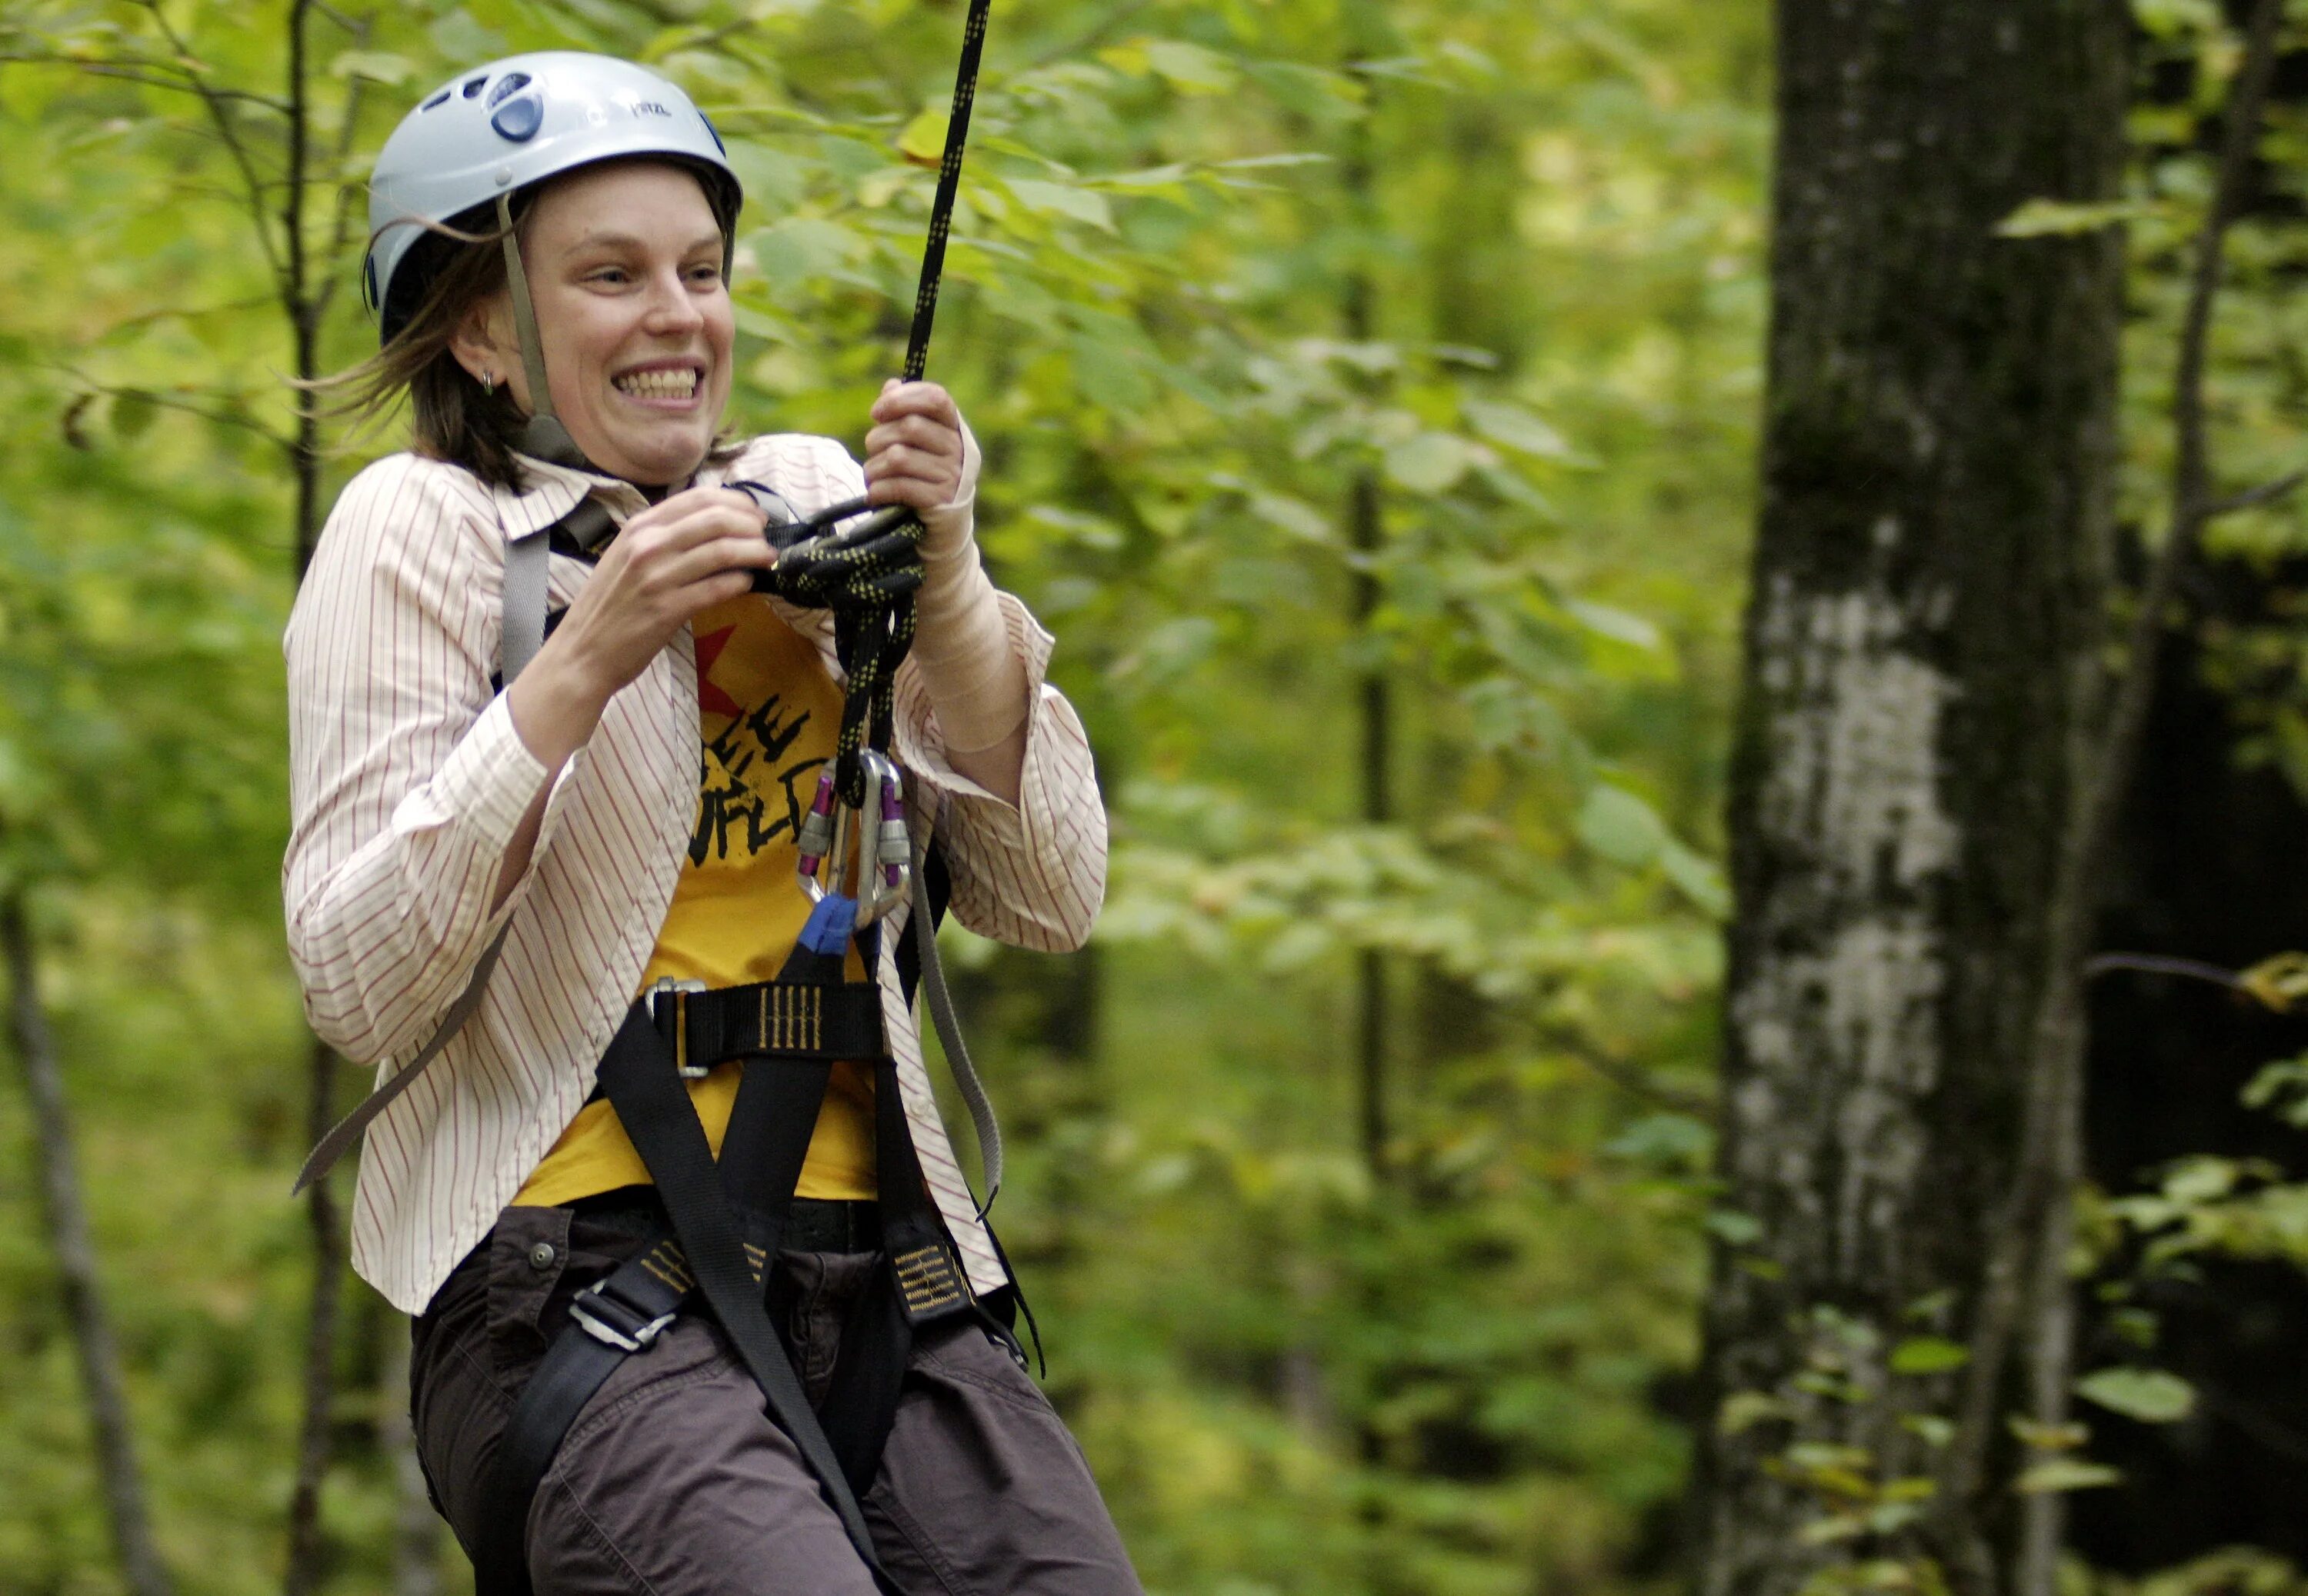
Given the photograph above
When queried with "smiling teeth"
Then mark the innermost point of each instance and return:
(669, 385)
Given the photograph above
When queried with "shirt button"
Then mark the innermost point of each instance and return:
(542, 1256)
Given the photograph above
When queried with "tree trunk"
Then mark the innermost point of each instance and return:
(1930, 578)
(141, 1567)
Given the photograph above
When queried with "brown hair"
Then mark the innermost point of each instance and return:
(451, 417)
(459, 264)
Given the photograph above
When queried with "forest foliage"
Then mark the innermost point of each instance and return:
(1217, 265)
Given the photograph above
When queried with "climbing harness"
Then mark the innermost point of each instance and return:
(726, 1221)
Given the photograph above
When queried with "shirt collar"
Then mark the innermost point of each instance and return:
(550, 490)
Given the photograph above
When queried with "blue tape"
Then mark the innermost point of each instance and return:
(832, 923)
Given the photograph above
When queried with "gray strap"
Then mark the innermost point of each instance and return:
(940, 1003)
(528, 564)
(542, 434)
(524, 317)
(348, 1130)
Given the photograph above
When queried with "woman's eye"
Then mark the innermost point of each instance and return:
(608, 274)
(705, 274)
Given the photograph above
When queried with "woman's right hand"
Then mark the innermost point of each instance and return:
(690, 551)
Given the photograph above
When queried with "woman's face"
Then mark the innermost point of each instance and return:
(624, 264)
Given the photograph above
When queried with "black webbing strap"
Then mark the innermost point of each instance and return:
(793, 1019)
(657, 1115)
(773, 1120)
(622, 1315)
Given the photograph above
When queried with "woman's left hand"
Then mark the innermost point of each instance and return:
(917, 454)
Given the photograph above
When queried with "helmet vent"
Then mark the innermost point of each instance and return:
(506, 85)
(473, 85)
(440, 99)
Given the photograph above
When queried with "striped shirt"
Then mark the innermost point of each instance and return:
(408, 781)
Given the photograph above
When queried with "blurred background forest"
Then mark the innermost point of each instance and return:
(1372, 398)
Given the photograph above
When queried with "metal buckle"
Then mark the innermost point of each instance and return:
(601, 1330)
(886, 851)
(678, 991)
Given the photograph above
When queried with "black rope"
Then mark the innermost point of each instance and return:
(868, 575)
(957, 136)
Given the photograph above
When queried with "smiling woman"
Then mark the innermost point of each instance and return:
(586, 873)
(625, 263)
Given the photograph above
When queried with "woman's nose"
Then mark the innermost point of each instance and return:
(671, 305)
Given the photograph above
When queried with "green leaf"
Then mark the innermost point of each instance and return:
(2058, 219)
(2200, 1180)
(800, 247)
(1188, 67)
(459, 37)
(1429, 463)
(1663, 1139)
(1932, 1430)
(1744, 1409)
(1927, 1355)
(1730, 1225)
(2065, 1473)
(1295, 517)
(1514, 428)
(1618, 625)
(1063, 199)
(2169, 19)
(2151, 1395)
(133, 414)
(923, 141)
(1167, 176)
(1621, 827)
(1697, 878)
(379, 66)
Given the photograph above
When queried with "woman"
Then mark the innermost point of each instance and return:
(627, 814)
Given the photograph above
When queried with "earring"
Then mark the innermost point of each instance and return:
(488, 382)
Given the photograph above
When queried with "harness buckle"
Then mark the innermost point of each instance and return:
(885, 851)
(633, 1335)
(672, 1019)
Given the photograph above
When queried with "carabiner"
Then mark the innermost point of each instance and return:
(885, 851)
(816, 839)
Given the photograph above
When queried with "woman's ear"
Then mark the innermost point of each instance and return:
(483, 345)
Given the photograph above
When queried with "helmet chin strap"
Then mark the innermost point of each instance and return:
(543, 436)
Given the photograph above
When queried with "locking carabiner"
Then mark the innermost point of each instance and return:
(816, 839)
(884, 850)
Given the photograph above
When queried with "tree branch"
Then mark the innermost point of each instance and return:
(2157, 964)
(214, 100)
(2267, 492)
(341, 223)
(138, 70)
(1633, 1081)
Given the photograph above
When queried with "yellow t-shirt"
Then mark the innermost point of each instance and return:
(768, 714)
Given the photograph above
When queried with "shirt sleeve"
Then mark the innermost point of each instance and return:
(406, 777)
(1033, 874)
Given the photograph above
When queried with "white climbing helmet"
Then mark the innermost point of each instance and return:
(500, 127)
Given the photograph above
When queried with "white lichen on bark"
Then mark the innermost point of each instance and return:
(1853, 786)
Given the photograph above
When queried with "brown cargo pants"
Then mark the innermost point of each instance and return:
(674, 1481)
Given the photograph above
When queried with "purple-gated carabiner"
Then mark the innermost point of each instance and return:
(816, 839)
(885, 851)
